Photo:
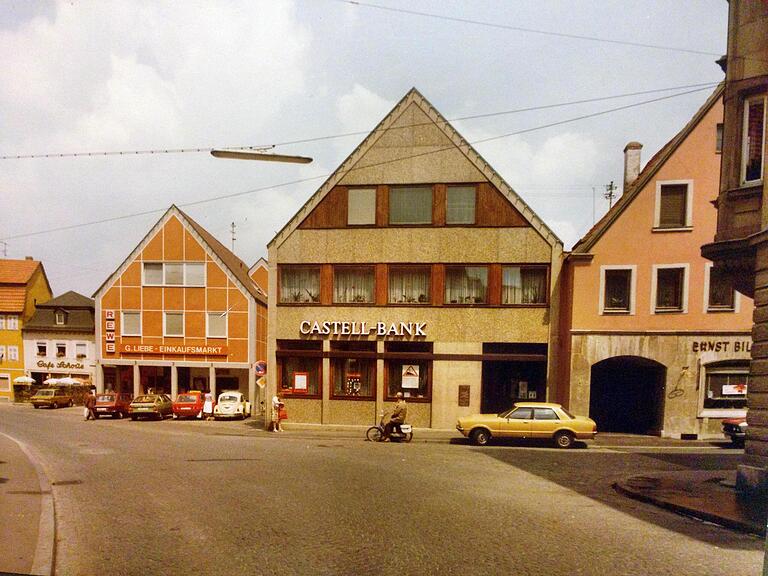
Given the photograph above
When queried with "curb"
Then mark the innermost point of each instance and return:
(726, 522)
(45, 551)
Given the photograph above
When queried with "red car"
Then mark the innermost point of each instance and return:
(188, 404)
(113, 404)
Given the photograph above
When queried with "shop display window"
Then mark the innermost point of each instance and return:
(300, 284)
(524, 285)
(460, 205)
(354, 377)
(353, 285)
(410, 205)
(409, 284)
(411, 376)
(300, 375)
(726, 385)
(466, 284)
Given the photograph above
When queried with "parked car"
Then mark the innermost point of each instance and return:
(188, 404)
(736, 430)
(529, 420)
(151, 405)
(115, 404)
(52, 398)
(232, 404)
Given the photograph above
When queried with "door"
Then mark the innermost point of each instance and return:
(545, 420)
(517, 424)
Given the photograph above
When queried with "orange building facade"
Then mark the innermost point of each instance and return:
(658, 342)
(179, 314)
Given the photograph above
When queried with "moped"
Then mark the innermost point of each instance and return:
(400, 433)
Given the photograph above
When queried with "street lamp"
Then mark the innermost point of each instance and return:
(259, 155)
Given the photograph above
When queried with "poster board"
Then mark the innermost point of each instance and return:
(410, 376)
(300, 382)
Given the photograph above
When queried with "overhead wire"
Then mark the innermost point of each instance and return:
(348, 134)
(367, 166)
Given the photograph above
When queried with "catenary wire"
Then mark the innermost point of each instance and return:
(347, 134)
(326, 176)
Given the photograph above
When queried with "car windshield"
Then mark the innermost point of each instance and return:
(105, 398)
(229, 398)
(186, 398)
(45, 393)
(144, 399)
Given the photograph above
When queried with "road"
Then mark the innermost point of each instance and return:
(226, 498)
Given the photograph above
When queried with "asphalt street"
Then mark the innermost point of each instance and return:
(197, 497)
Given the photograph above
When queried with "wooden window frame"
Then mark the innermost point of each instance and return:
(487, 299)
(745, 140)
(688, 225)
(602, 309)
(281, 271)
(544, 304)
(685, 288)
(370, 267)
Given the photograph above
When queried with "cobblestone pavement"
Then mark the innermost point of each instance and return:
(223, 498)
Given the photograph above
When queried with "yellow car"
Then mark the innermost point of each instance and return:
(529, 420)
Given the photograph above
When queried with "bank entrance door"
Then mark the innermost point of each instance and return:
(509, 380)
(627, 395)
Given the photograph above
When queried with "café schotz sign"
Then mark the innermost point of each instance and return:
(378, 329)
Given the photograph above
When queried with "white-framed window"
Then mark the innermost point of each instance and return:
(173, 324)
(173, 273)
(153, 273)
(61, 349)
(361, 206)
(12, 322)
(674, 205)
(460, 204)
(719, 293)
(410, 205)
(3, 357)
(61, 318)
(618, 289)
(725, 387)
(753, 140)
(669, 288)
(130, 323)
(2, 322)
(194, 274)
(13, 353)
(42, 348)
(216, 325)
(81, 349)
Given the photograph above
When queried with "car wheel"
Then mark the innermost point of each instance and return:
(35, 406)
(119, 415)
(564, 439)
(480, 437)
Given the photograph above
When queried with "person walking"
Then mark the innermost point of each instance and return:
(90, 405)
(278, 413)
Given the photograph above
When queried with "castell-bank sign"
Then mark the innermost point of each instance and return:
(378, 329)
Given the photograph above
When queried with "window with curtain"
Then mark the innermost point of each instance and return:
(618, 291)
(523, 285)
(466, 284)
(174, 274)
(409, 284)
(460, 205)
(299, 285)
(753, 140)
(726, 386)
(217, 325)
(153, 274)
(669, 289)
(673, 207)
(361, 206)
(194, 274)
(721, 292)
(410, 205)
(353, 285)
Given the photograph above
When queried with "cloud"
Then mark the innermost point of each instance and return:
(362, 109)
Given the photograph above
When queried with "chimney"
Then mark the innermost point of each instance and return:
(631, 163)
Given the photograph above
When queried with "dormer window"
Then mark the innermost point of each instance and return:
(61, 318)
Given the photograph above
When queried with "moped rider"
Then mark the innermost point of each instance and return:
(398, 415)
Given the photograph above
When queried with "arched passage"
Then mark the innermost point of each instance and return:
(627, 395)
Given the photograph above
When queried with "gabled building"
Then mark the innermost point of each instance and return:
(658, 341)
(180, 313)
(259, 273)
(59, 339)
(414, 268)
(23, 283)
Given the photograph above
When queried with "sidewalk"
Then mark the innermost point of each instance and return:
(707, 495)
(26, 512)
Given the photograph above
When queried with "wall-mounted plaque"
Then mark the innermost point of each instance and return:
(464, 395)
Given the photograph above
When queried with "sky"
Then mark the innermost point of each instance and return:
(88, 76)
